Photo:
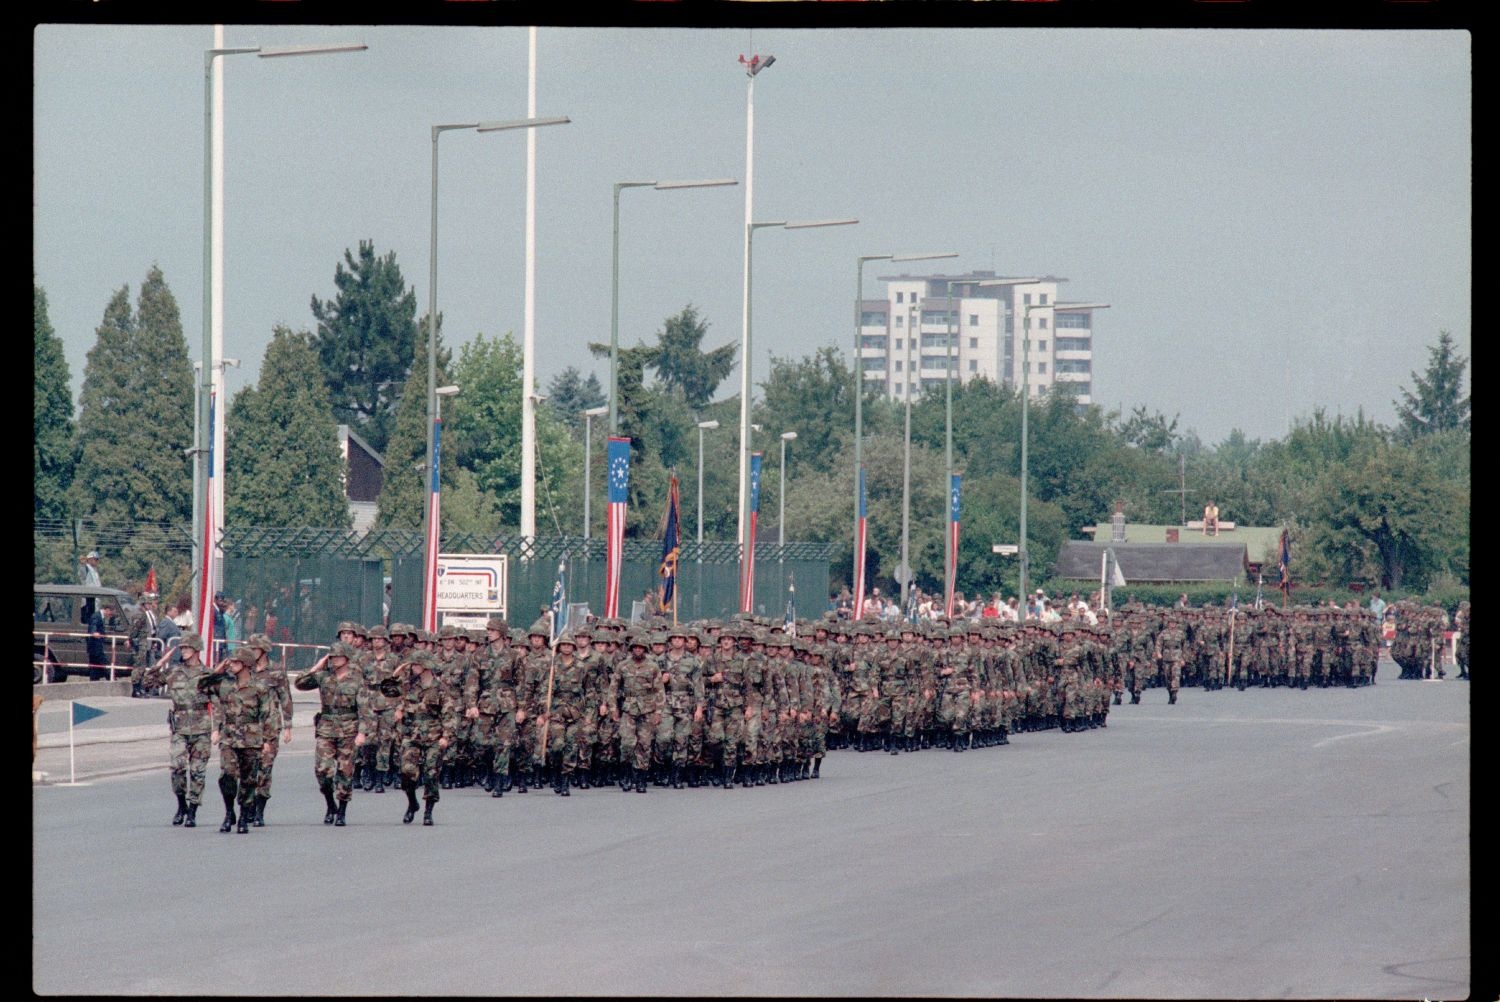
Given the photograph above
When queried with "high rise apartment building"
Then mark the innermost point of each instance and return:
(904, 345)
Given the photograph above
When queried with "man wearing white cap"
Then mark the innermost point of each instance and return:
(88, 571)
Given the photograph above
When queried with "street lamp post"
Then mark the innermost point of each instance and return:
(614, 279)
(859, 371)
(438, 130)
(905, 568)
(786, 436)
(210, 460)
(434, 509)
(588, 455)
(742, 529)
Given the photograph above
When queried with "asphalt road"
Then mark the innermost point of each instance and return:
(1266, 844)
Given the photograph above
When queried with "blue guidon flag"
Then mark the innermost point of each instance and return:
(618, 467)
(747, 562)
(953, 497)
(83, 714)
(560, 600)
(669, 552)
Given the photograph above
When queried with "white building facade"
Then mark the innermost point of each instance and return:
(905, 345)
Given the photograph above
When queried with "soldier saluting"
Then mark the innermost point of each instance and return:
(191, 723)
(344, 724)
(427, 718)
(245, 708)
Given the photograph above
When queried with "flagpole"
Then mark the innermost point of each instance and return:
(72, 771)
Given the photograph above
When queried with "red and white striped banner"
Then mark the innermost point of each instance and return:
(859, 551)
(618, 467)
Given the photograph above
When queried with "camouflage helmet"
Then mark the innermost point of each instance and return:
(341, 650)
(637, 638)
(378, 632)
(261, 642)
(477, 636)
(539, 629)
(448, 630)
(566, 637)
(192, 642)
(345, 627)
(497, 623)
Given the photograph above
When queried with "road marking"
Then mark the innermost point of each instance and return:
(1377, 729)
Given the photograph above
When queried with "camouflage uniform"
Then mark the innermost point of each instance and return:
(191, 722)
(682, 684)
(273, 676)
(247, 711)
(345, 715)
(1170, 647)
(635, 698)
(427, 718)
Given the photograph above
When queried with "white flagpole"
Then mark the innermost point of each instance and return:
(72, 772)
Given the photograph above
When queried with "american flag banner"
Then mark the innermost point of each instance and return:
(206, 571)
(434, 529)
(953, 496)
(747, 562)
(669, 550)
(618, 466)
(859, 551)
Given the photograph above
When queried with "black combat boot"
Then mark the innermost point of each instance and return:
(1117, 699)
(758, 774)
(338, 818)
(640, 780)
(1172, 696)
(445, 777)
(565, 781)
(817, 764)
(368, 781)
(1003, 738)
(427, 814)
(727, 780)
(379, 779)
(496, 784)
(523, 780)
(259, 811)
(247, 812)
(1135, 698)
(411, 801)
(1304, 683)
(192, 817)
(177, 818)
(332, 811)
(676, 781)
(227, 789)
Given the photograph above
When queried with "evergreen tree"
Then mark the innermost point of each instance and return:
(681, 364)
(569, 395)
(1439, 403)
(284, 468)
(367, 340)
(136, 412)
(52, 416)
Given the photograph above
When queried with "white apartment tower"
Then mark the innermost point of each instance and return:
(904, 338)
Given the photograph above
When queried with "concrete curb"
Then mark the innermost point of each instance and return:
(104, 735)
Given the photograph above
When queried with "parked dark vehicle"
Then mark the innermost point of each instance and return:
(60, 616)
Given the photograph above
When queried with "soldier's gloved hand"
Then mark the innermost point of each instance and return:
(390, 687)
(210, 681)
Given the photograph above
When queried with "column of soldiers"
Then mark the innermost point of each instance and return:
(1213, 647)
(1420, 639)
(710, 704)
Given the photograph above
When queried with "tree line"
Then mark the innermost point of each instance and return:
(1388, 506)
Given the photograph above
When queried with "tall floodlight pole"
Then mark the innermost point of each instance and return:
(211, 374)
(858, 363)
(911, 329)
(614, 280)
(753, 66)
(948, 577)
(588, 455)
(432, 271)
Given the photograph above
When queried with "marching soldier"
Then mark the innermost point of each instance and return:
(191, 723)
(246, 709)
(427, 717)
(1170, 645)
(343, 724)
(273, 676)
(682, 712)
(634, 698)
